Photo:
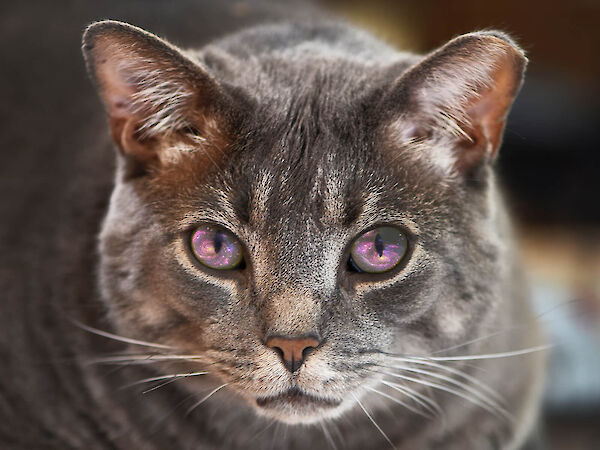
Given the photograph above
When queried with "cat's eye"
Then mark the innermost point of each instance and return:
(378, 250)
(216, 248)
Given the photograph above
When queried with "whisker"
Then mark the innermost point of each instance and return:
(524, 327)
(562, 304)
(457, 383)
(286, 429)
(493, 408)
(174, 376)
(328, 436)
(115, 337)
(141, 359)
(257, 435)
(373, 421)
(119, 367)
(158, 386)
(458, 373)
(473, 341)
(206, 397)
(340, 437)
(524, 351)
(417, 397)
(400, 402)
(274, 437)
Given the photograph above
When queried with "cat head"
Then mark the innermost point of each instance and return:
(292, 214)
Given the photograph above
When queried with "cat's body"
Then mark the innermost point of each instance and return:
(296, 138)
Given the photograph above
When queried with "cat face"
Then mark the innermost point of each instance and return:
(247, 185)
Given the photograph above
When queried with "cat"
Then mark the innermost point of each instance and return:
(305, 247)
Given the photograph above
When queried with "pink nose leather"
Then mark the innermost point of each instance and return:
(293, 351)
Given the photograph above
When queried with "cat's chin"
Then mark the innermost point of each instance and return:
(296, 407)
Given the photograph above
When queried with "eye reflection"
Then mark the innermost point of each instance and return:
(216, 247)
(378, 250)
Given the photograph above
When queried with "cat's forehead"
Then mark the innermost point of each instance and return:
(312, 150)
(322, 196)
(311, 173)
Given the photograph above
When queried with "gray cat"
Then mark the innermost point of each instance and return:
(304, 248)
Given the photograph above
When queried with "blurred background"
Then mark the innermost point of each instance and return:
(549, 163)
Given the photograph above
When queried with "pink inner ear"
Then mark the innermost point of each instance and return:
(487, 113)
(460, 95)
(120, 105)
(117, 94)
(152, 92)
(414, 133)
(116, 91)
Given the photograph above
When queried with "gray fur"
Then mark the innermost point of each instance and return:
(311, 157)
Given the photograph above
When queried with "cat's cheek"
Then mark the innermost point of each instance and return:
(402, 298)
(207, 311)
(452, 320)
(143, 311)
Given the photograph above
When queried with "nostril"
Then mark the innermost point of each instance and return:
(278, 350)
(293, 351)
(307, 351)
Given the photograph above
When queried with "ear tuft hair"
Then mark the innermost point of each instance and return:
(460, 94)
(150, 88)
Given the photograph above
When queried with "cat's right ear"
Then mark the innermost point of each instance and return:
(456, 100)
(155, 96)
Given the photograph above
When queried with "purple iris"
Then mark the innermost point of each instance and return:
(379, 250)
(216, 247)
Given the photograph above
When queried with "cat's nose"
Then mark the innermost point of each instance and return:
(293, 350)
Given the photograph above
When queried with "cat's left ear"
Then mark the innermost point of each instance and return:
(153, 93)
(458, 98)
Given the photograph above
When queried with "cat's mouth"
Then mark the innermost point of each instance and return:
(295, 397)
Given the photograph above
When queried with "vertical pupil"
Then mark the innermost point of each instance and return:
(218, 241)
(379, 245)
